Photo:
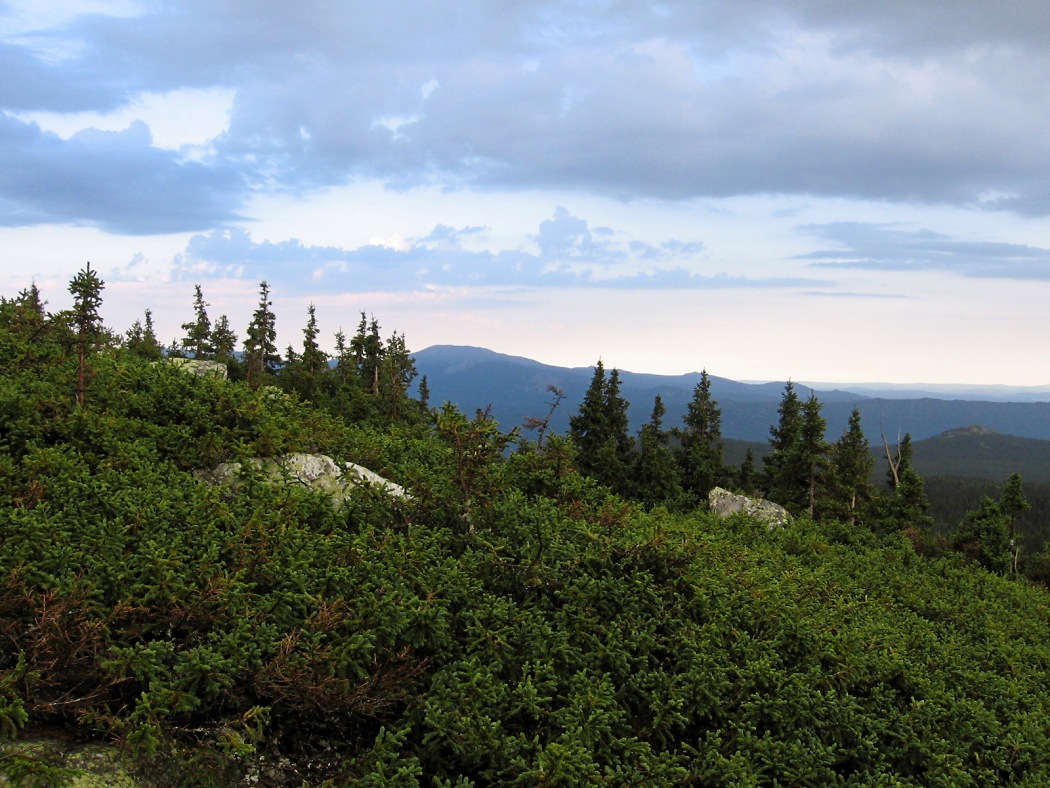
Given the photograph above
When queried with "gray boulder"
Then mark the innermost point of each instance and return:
(195, 366)
(317, 471)
(725, 503)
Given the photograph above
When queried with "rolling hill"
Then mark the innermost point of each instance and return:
(516, 388)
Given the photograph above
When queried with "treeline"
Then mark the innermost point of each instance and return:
(826, 481)
(368, 378)
(513, 622)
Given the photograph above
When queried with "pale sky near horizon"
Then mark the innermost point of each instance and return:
(810, 189)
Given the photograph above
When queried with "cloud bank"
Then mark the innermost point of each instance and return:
(903, 102)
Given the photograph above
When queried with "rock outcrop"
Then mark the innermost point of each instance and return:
(725, 503)
(317, 471)
(195, 366)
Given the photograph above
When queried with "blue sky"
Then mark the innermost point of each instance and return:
(819, 190)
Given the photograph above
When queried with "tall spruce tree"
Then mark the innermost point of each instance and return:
(306, 372)
(397, 370)
(198, 332)
(589, 428)
(849, 487)
(86, 289)
(223, 340)
(813, 449)
(907, 505)
(656, 475)
(1013, 503)
(700, 450)
(260, 352)
(604, 449)
(785, 474)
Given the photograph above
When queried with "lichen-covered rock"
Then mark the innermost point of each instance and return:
(725, 503)
(195, 366)
(317, 471)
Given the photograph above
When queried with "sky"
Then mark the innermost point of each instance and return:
(766, 189)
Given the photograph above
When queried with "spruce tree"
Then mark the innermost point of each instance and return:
(616, 418)
(656, 477)
(141, 339)
(813, 449)
(223, 340)
(397, 370)
(700, 452)
(907, 505)
(306, 372)
(849, 488)
(260, 352)
(746, 475)
(86, 289)
(198, 332)
(786, 473)
(1013, 503)
(589, 429)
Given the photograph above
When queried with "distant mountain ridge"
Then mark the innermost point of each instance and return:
(516, 388)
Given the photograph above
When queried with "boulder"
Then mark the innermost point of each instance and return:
(195, 366)
(317, 471)
(725, 503)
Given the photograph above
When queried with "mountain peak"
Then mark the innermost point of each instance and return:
(968, 431)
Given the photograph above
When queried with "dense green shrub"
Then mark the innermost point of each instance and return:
(511, 623)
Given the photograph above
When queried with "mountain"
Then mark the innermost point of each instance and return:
(516, 387)
(980, 453)
(984, 393)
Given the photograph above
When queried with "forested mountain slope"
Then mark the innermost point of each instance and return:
(517, 388)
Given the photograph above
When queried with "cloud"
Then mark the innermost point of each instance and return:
(892, 248)
(114, 180)
(568, 256)
(906, 102)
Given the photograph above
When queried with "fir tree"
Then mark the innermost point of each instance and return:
(141, 339)
(700, 452)
(746, 476)
(786, 474)
(907, 505)
(656, 477)
(812, 449)
(260, 352)
(198, 332)
(86, 289)
(589, 429)
(849, 484)
(1013, 503)
(223, 340)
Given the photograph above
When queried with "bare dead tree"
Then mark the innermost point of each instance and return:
(542, 425)
(894, 462)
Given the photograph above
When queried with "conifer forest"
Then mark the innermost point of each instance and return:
(530, 608)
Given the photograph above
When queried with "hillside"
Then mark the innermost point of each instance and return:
(174, 582)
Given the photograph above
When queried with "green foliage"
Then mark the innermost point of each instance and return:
(907, 502)
(514, 622)
(198, 331)
(700, 450)
(260, 352)
(656, 475)
(604, 449)
(849, 491)
(797, 459)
